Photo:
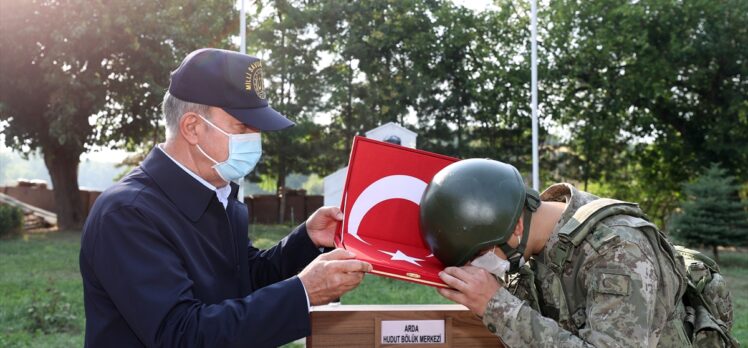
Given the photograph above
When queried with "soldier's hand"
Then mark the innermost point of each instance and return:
(331, 275)
(472, 287)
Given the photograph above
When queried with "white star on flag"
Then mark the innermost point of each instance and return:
(400, 256)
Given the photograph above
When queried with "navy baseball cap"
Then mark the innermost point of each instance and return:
(228, 80)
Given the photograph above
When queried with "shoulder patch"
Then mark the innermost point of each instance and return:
(613, 284)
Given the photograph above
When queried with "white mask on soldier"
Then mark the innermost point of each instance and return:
(492, 263)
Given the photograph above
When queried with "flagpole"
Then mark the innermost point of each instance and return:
(534, 92)
(243, 50)
(243, 29)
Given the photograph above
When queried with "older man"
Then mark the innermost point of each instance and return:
(165, 256)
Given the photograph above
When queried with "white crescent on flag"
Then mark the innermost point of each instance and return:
(389, 187)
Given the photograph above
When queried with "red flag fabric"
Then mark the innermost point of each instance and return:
(380, 203)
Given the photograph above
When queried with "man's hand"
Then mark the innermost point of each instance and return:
(331, 275)
(471, 286)
(322, 224)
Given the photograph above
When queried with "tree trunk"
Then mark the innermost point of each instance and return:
(63, 169)
(459, 136)
(587, 156)
(716, 253)
(586, 175)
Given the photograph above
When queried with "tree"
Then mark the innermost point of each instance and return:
(463, 75)
(81, 73)
(713, 214)
(367, 77)
(668, 77)
(381, 52)
(482, 84)
(290, 56)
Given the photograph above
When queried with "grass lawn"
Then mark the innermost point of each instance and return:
(40, 272)
(36, 269)
(735, 268)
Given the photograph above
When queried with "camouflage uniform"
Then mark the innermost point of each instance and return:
(614, 291)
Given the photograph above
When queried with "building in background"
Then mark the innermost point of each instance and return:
(389, 132)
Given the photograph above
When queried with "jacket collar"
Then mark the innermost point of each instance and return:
(190, 196)
(574, 199)
(567, 193)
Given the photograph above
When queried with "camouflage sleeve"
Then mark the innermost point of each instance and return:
(621, 288)
(518, 325)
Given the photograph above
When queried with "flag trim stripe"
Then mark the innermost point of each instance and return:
(410, 279)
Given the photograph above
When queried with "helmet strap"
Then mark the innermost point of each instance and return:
(516, 256)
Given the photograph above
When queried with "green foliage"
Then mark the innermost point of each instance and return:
(713, 214)
(648, 90)
(379, 50)
(49, 312)
(629, 183)
(81, 73)
(655, 84)
(290, 56)
(457, 76)
(83, 58)
(11, 220)
(476, 101)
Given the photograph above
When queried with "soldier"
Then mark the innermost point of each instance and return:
(597, 274)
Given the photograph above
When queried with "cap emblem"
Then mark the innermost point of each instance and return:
(253, 79)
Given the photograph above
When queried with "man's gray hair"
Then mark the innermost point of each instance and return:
(174, 108)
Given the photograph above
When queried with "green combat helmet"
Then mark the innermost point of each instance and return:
(474, 204)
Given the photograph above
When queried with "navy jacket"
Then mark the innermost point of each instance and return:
(164, 264)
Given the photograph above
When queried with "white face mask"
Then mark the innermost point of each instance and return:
(492, 263)
(244, 153)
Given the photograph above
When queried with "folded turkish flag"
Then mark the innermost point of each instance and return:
(380, 202)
